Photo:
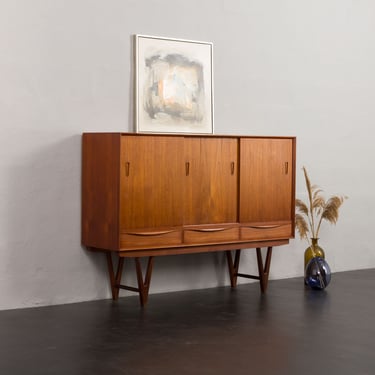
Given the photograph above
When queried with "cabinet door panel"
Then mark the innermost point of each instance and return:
(152, 172)
(210, 180)
(266, 182)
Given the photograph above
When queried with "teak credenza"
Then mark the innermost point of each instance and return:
(147, 195)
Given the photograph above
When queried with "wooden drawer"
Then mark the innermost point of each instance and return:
(150, 238)
(212, 234)
(266, 231)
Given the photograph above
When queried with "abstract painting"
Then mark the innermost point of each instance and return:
(174, 85)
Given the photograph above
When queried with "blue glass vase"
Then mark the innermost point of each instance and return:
(318, 273)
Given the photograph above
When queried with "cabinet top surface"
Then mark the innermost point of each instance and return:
(186, 135)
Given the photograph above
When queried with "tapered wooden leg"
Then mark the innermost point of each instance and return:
(115, 280)
(233, 267)
(144, 285)
(264, 270)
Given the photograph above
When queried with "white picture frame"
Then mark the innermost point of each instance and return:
(173, 85)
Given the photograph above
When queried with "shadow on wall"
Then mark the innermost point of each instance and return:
(44, 262)
(190, 271)
(180, 272)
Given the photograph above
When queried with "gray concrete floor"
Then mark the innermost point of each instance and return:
(290, 330)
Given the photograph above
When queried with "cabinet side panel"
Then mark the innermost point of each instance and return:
(293, 188)
(100, 190)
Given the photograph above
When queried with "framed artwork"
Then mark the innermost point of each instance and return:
(173, 85)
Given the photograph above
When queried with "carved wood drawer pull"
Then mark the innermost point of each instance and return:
(263, 226)
(150, 233)
(209, 229)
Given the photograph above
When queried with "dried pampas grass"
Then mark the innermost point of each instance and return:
(310, 216)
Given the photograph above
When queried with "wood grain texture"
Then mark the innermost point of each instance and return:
(211, 186)
(266, 182)
(146, 191)
(152, 193)
(100, 190)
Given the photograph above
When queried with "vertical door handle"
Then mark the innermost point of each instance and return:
(286, 166)
(187, 168)
(127, 169)
(232, 167)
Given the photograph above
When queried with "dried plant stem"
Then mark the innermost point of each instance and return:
(310, 217)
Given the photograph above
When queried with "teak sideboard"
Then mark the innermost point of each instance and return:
(148, 195)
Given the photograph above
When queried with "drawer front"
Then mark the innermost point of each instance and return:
(149, 239)
(211, 235)
(266, 232)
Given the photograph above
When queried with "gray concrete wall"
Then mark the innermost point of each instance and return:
(280, 68)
